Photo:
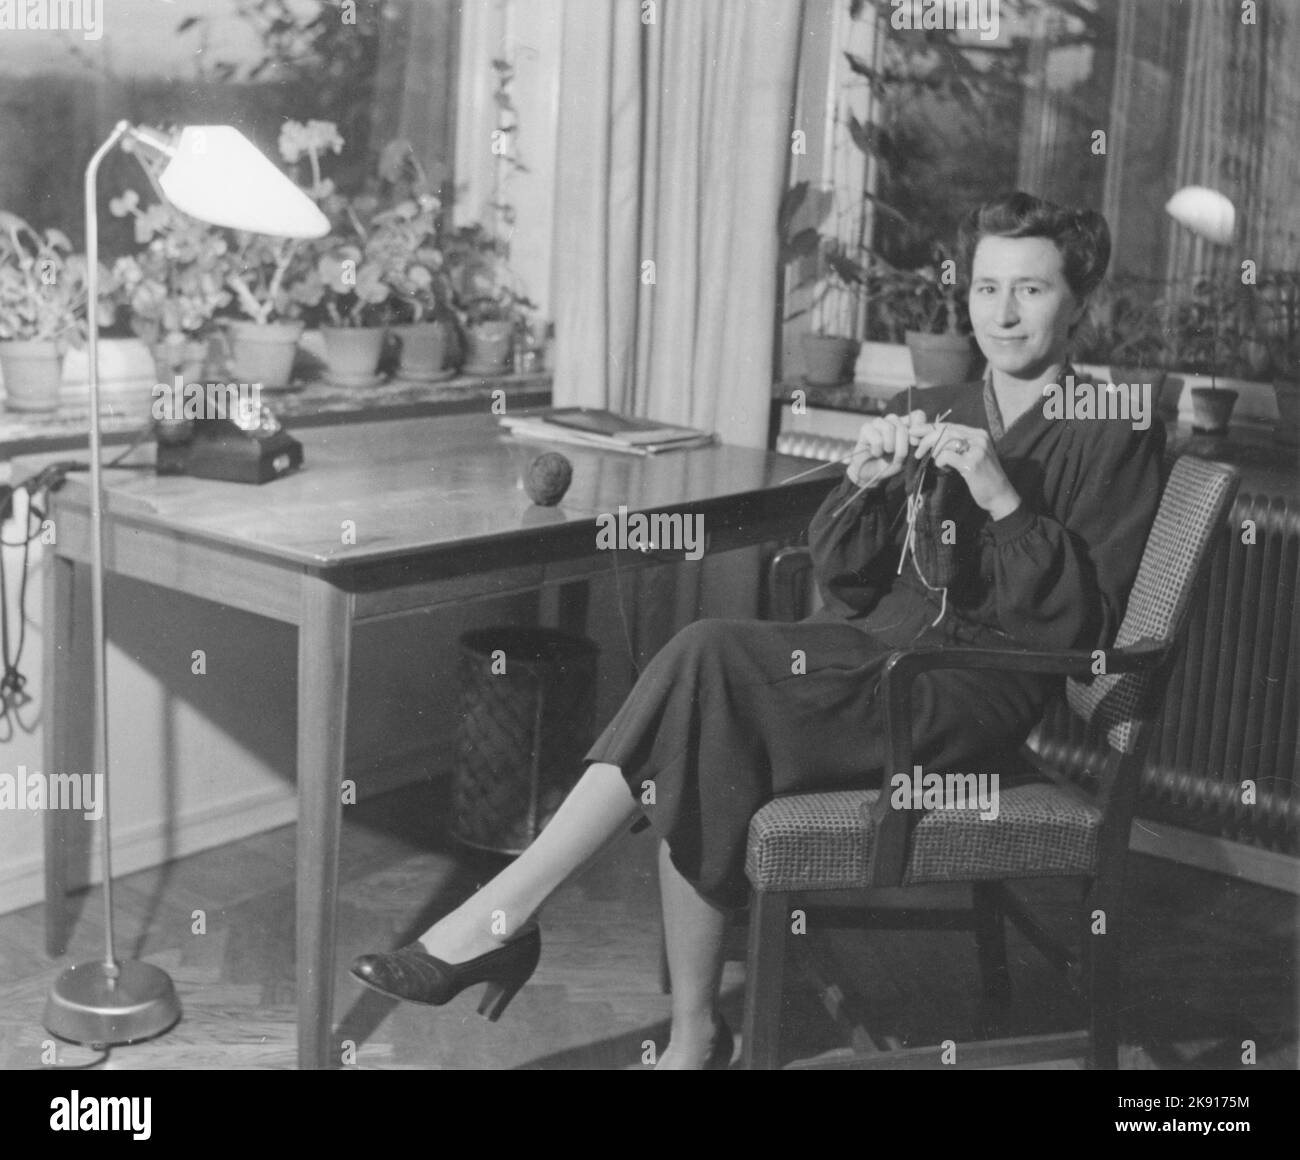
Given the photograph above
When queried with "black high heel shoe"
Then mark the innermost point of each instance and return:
(411, 973)
(724, 1043)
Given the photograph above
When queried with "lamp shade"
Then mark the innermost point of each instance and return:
(217, 175)
(1206, 212)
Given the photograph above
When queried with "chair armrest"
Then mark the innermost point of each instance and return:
(1141, 656)
(784, 566)
(904, 666)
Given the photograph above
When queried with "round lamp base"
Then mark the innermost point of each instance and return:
(86, 1005)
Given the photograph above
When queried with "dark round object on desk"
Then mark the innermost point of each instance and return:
(548, 478)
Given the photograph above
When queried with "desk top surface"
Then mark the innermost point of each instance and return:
(419, 485)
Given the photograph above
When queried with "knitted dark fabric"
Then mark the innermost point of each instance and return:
(730, 714)
(943, 506)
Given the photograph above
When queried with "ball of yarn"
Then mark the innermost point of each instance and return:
(548, 478)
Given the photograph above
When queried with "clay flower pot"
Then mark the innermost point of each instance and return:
(187, 358)
(128, 376)
(263, 352)
(427, 352)
(940, 360)
(33, 372)
(828, 359)
(488, 348)
(353, 353)
(1211, 409)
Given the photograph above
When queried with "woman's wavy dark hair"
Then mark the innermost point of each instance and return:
(1081, 235)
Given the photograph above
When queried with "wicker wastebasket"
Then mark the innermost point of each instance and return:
(527, 716)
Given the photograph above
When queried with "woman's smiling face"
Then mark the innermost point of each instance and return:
(1021, 306)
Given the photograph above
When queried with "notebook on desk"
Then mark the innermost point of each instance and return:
(592, 427)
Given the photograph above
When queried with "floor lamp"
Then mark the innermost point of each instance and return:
(1209, 215)
(215, 174)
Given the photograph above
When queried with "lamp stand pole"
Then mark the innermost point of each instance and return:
(109, 1001)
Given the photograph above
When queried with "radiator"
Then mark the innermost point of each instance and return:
(1232, 706)
(1230, 712)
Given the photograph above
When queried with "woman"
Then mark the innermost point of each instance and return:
(1046, 522)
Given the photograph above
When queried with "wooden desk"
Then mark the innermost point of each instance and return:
(385, 519)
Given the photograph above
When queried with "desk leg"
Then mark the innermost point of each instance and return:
(324, 660)
(66, 698)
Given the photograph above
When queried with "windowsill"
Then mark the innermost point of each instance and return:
(1250, 444)
(316, 404)
(859, 397)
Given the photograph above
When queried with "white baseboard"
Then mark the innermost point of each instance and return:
(145, 845)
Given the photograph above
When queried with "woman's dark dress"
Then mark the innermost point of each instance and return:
(727, 715)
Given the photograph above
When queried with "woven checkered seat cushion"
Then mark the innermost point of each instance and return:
(823, 841)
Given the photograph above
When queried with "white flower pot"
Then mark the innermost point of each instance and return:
(127, 377)
(828, 359)
(883, 369)
(33, 369)
(488, 348)
(941, 360)
(353, 353)
(426, 351)
(263, 352)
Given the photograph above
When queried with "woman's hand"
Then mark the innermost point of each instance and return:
(883, 444)
(969, 450)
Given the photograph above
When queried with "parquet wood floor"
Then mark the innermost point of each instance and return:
(1210, 963)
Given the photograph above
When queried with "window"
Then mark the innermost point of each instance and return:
(1098, 103)
(378, 68)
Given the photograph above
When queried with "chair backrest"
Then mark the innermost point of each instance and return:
(1193, 506)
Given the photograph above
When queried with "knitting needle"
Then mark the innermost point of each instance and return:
(937, 419)
(914, 501)
(872, 480)
(843, 458)
(861, 489)
(822, 466)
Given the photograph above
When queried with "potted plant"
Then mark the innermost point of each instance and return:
(1203, 338)
(348, 296)
(828, 356)
(920, 307)
(492, 306)
(271, 280)
(173, 287)
(942, 354)
(406, 241)
(1195, 346)
(491, 325)
(42, 308)
(274, 279)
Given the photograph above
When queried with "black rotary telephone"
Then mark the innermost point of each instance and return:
(248, 446)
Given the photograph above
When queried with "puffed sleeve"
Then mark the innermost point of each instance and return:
(855, 553)
(1064, 583)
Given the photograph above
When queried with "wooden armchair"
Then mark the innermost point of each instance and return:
(857, 841)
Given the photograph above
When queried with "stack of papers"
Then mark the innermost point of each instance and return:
(593, 428)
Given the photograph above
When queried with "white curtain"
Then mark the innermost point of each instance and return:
(674, 140)
(1240, 133)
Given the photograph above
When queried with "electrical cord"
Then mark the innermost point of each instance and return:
(13, 682)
